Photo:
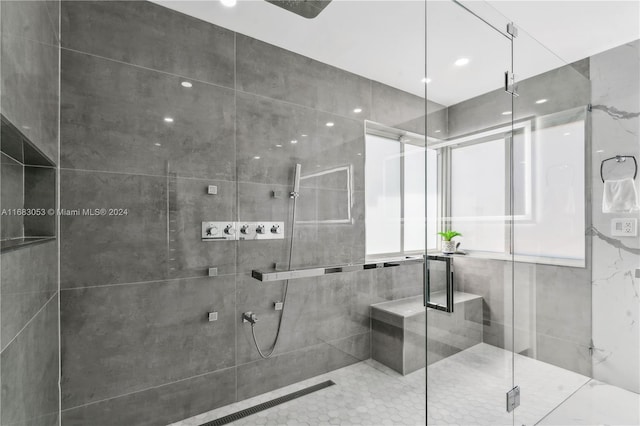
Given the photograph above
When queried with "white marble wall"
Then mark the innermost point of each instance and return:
(615, 294)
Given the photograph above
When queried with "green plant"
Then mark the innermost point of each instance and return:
(448, 235)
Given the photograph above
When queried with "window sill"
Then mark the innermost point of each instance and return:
(573, 263)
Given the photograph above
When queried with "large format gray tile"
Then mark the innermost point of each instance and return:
(29, 278)
(264, 375)
(12, 195)
(113, 119)
(263, 123)
(98, 250)
(30, 372)
(563, 87)
(395, 108)
(161, 405)
(564, 353)
(30, 89)
(398, 282)
(298, 328)
(32, 20)
(189, 206)
(152, 36)
(563, 303)
(341, 306)
(276, 73)
(122, 339)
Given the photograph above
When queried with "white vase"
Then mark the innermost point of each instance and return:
(448, 247)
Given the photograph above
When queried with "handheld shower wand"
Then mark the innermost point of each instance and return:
(250, 317)
(296, 185)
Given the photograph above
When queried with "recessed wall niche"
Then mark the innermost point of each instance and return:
(27, 191)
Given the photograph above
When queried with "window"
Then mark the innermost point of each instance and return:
(469, 185)
(547, 166)
(395, 193)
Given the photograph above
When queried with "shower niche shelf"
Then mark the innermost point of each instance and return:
(27, 190)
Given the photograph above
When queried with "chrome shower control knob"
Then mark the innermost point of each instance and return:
(275, 229)
(260, 229)
(229, 230)
(244, 229)
(212, 230)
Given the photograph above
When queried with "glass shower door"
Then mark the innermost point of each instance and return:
(469, 282)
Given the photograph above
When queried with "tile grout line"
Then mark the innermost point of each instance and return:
(188, 178)
(30, 321)
(563, 401)
(147, 389)
(282, 101)
(205, 374)
(158, 281)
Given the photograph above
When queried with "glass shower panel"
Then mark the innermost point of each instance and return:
(553, 175)
(469, 337)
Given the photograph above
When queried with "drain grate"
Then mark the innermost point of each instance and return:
(260, 407)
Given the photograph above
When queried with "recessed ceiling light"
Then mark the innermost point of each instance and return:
(168, 119)
(506, 113)
(157, 144)
(330, 124)
(186, 84)
(278, 146)
(304, 136)
(294, 141)
(359, 153)
(357, 110)
(257, 157)
(228, 3)
(426, 80)
(541, 101)
(462, 62)
(438, 131)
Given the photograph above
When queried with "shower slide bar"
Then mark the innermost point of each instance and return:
(326, 270)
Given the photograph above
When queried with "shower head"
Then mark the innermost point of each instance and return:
(306, 8)
(296, 182)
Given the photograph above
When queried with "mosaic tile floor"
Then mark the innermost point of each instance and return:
(467, 388)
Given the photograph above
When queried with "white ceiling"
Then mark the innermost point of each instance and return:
(384, 40)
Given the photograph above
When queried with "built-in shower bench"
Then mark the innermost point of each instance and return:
(399, 330)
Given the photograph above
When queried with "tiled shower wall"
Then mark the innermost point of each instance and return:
(29, 361)
(615, 283)
(136, 344)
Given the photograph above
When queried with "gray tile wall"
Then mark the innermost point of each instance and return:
(29, 344)
(136, 344)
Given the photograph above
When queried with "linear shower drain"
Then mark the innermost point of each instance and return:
(265, 405)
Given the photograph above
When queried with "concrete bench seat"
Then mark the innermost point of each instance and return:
(399, 330)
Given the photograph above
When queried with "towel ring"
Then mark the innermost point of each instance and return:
(620, 159)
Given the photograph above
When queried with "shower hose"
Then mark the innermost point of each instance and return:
(265, 355)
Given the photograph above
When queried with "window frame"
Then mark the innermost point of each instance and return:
(403, 137)
(528, 125)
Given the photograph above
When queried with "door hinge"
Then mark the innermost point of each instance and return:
(513, 399)
(512, 30)
(510, 83)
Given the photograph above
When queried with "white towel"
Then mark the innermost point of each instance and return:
(619, 196)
